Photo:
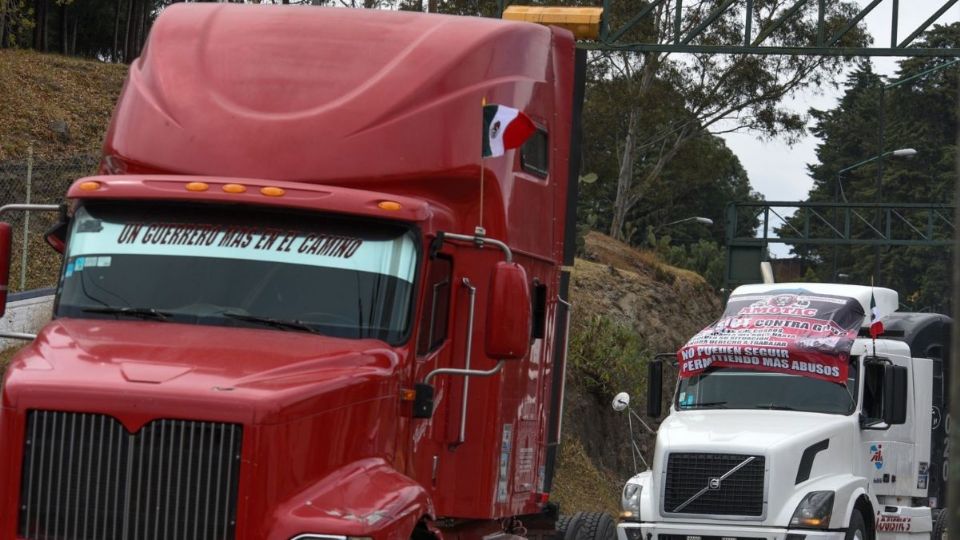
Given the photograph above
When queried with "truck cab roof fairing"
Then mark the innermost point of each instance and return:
(351, 85)
(888, 300)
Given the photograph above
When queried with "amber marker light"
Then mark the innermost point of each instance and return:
(197, 186)
(90, 186)
(389, 205)
(270, 191)
(408, 394)
(234, 188)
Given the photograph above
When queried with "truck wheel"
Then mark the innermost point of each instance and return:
(940, 527)
(858, 528)
(568, 527)
(595, 526)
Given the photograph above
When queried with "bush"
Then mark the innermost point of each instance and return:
(609, 357)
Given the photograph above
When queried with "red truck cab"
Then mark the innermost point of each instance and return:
(277, 317)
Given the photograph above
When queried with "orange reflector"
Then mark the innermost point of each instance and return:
(234, 188)
(90, 186)
(272, 191)
(389, 205)
(197, 186)
(408, 394)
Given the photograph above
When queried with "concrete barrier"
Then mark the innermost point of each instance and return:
(27, 312)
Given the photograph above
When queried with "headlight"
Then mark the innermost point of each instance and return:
(630, 502)
(814, 511)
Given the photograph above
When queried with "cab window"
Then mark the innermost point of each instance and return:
(436, 309)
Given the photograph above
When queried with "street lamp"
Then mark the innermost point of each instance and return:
(838, 194)
(702, 220)
(899, 153)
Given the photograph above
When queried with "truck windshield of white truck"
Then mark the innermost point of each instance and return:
(240, 266)
(734, 388)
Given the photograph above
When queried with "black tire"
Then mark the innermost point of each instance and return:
(858, 527)
(595, 526)
(940, 527)
(568, 527)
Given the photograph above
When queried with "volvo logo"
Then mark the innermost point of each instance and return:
(714, 483)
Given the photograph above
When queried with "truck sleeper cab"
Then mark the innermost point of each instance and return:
(276, 316)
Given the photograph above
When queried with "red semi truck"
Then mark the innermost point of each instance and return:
(296, 304)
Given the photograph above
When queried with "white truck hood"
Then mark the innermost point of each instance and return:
(747, 431)
(780, 437)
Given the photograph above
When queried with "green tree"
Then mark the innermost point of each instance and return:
(920, 114)
(716, 93)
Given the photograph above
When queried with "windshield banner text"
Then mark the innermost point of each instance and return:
(798, 333)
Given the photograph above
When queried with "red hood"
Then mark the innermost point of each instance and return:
(137, 371)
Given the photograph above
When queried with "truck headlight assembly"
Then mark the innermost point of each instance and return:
(630, 502)
(814, 511)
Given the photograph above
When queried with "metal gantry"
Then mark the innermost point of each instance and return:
(688, 27)
(689, 24)
(829, 224)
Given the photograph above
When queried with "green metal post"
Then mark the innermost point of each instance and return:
(953, 482)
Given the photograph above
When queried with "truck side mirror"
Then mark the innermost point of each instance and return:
(895, 394)
(655, 388)
(508, 313)
(56, 236)
(884, 394)
(6, 244)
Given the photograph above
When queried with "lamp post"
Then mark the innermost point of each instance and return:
(838, 194)
(699, 219)
(838, 189)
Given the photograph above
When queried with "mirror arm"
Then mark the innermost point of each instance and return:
(479, 238)
(18, 335)
(472, 292)
(639, 419)
(465, 372)
(28, 208)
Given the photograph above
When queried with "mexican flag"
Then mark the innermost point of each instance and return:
(876, 325)
(504, 128)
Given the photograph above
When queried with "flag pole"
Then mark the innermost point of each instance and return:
(480, 230)
(873, 336)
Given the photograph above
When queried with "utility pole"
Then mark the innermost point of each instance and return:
(953, 483)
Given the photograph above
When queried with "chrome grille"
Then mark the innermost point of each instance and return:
(740, 494)
(86, 478)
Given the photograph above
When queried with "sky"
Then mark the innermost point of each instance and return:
(779, 171)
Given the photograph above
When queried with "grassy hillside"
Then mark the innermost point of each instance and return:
(627, 306)
(57, 104)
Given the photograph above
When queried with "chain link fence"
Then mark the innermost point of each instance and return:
(34, 264)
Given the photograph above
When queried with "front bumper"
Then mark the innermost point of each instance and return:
(701, 531)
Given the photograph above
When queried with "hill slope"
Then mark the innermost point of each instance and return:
(627, 306)
(58, 104)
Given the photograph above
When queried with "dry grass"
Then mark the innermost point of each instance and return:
(579, 486)
(41, 89)
(605, 250)
(5, 357)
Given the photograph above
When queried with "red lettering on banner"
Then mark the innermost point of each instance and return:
(801, 334)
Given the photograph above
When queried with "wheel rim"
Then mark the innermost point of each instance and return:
(858, 535)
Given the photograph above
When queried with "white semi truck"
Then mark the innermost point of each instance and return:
(751, 453)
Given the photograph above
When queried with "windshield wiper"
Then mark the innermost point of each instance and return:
(143, 313)
(775, 407)
(282, 324)
(708, 404)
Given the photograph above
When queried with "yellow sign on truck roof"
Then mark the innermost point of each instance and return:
(584, 22)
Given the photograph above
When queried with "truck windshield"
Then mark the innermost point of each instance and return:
(734, 388)
(238, 266)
